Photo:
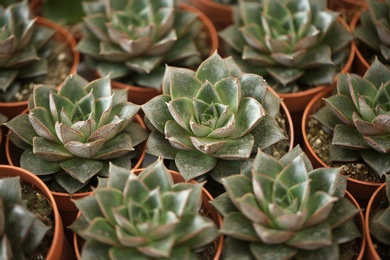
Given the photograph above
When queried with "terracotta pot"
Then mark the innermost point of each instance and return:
(206, 198)
(347, 8)
(296, 102)
(360, 224)
(372, 207)
(289, 119)
(221, 15)
(360, 64)
(140, 95)
(60, 247)
(361, 190)
(12, 109)
(67, 208)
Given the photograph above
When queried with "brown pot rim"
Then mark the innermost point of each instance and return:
(287, 113)
(379, 192)
(360, 225)
(215, 5)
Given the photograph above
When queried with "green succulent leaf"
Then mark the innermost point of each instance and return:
(36, 165)
(101, 231)
(264, 251)
(187, 163)
(49, 151)
(236, 225)
(312, 238)
(42, 123)
(90, 207)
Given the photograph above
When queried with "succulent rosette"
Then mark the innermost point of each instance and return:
(358, 117)
(294, 45)
(380, 221)
(283, 209)
(21, 231)
(133, 40)
(212, 120)
(145, 216)
(24, 48)
(70, 134)
(373, 29)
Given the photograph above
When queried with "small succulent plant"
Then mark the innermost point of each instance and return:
(374, 28)
(24, 48)
(294, 45)
(21, 231)
(144, 216)
(70, 134)
(133, 40)
(212, 120)
(358, 117)
(282, 209)
(380, 222)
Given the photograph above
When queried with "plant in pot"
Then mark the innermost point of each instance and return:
(297, 46)
(355, 119)
(133, 40)
(210, 122)
(372, 33)
(16, 183)
(377, 223)
(144, 216)
(22, 231)
(69, 135)
(283, 209)
(30, 46)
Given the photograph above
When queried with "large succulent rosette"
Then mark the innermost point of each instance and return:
(133, 40)
(294, 45)
(145, 216)
(24, 48)
(212, 120)
(283, 209)
(71, 134)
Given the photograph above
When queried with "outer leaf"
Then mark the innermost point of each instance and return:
(238, 226)
(188, 163)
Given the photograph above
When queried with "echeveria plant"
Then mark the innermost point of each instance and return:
(212, 120)
(133, 40)
(284, 209)
(374, 28)
(145, 216)
(358, 117)
(70, 134)
(294, 45)
(21, 231)
(24, 48)
(380, 221)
